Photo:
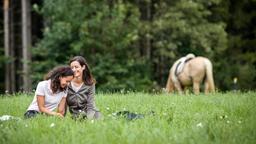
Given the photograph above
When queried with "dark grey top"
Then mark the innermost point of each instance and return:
(82, 101)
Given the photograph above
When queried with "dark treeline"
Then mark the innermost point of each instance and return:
(131, 44)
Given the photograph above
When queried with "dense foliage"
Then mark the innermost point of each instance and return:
(132, 44)
(111, 35)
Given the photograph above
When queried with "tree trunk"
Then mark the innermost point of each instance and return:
(7, 46)
(26, 44)
(12, 48)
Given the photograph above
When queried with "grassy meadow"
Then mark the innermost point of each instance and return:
(168, 118)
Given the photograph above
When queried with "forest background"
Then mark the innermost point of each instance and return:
(129, 44)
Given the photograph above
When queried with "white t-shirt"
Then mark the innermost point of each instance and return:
(51, 100)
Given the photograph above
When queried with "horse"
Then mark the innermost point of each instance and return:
(191, 70)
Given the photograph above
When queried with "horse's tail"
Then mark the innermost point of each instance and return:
(209, 75)
(169, 84)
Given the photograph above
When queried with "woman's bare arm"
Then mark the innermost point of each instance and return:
(42, 108)
(61, 106)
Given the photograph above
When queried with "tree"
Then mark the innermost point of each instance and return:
(131, 44)
(9, 50)
(240, 61)
(26, 44)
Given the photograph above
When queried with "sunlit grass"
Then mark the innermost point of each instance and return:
(214, 118)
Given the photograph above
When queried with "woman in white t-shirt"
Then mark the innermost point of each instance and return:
(51, 93)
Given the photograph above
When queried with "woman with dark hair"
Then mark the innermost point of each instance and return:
(51, 93)
(81, 91)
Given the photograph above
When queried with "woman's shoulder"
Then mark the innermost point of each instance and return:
(88, 86)
(44, 84)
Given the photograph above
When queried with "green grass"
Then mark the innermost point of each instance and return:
(217, 118)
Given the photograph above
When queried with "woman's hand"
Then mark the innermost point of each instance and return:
(57, 114)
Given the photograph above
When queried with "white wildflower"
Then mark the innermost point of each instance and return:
(52, 125)
(5, 117)
(239, 121)
(228, 121)
(199, 125)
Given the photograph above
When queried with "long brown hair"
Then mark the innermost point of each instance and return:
(87, 76)
(55, 74)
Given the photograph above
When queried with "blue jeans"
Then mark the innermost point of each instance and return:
(31, 113)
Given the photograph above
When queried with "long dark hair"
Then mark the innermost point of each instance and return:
(87, 76)
(55, 74)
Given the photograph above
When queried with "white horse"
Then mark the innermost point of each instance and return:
(191, 70)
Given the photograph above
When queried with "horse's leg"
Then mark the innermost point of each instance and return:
(196, 87)
(178, 87)
(169, 84)
(186, 90)
(206, 87)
